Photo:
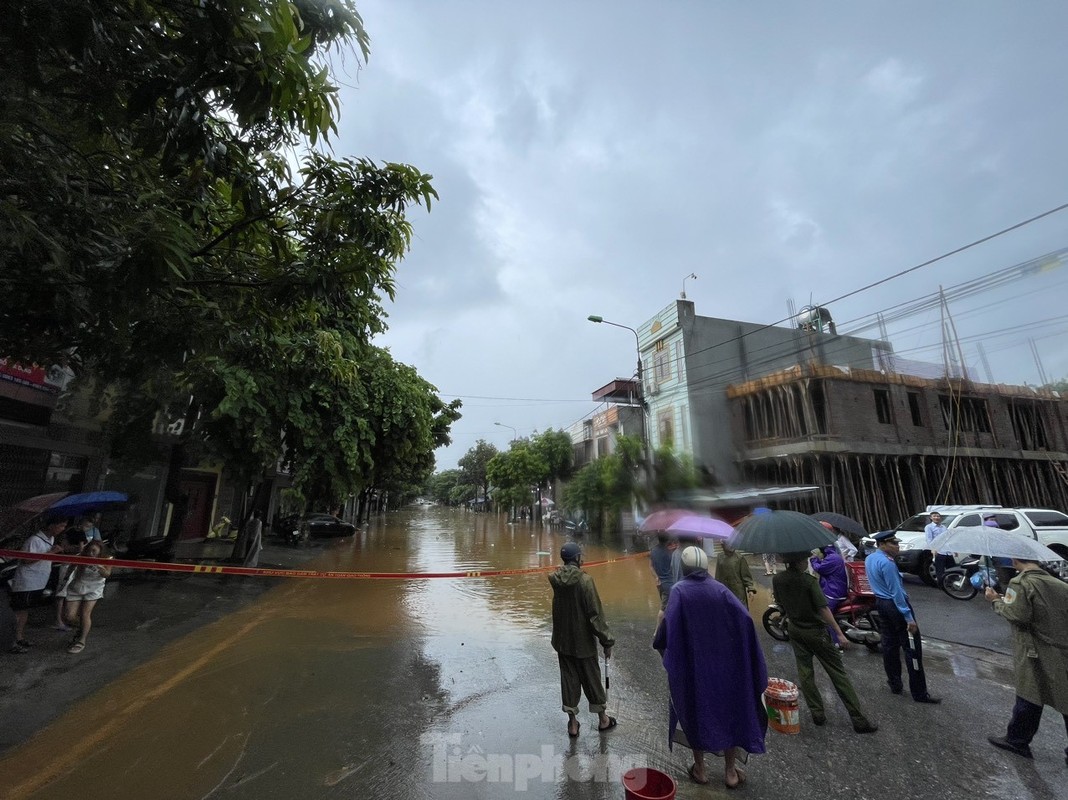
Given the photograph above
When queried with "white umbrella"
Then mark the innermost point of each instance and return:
(993, 542)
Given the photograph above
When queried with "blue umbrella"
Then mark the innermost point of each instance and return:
(76, 504)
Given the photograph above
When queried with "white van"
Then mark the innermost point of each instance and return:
(1046, 525)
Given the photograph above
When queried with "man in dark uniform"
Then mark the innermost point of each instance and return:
(578, 625)
(803, 602)
(897, 622)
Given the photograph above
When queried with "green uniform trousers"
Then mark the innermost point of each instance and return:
(581, 675)
(816, 642)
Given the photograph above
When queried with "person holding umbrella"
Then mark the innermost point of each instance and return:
(1036, 605)
(896, 620)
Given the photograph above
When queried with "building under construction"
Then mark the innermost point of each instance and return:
(884, 445)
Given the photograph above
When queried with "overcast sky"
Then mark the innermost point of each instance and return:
(589, 155)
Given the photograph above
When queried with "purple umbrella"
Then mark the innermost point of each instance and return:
(695, 525)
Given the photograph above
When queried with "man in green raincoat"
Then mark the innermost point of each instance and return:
(1036, 604)
(578, 626)
(732, 570)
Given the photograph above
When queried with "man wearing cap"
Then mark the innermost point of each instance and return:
(806, 606)
(716, 672)
(897, 621)
(31, 577)
(578, 626)
(1036, 605)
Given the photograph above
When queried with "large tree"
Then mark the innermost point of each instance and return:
(473, 467)
(158, 236)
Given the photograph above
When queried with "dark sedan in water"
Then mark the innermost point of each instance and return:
(327, 525)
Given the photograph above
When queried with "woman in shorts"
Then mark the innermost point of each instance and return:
(85, 589)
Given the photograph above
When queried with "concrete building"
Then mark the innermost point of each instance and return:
(882, 445)
(689, 361)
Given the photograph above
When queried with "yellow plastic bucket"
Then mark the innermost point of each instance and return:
(784, 714)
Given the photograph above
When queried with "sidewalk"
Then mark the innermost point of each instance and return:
(140, 613)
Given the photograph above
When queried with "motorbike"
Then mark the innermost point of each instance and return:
(856, 615)
(576, 527)
(970, 575)
(295, 534)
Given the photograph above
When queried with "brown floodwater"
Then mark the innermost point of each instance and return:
(354, 688)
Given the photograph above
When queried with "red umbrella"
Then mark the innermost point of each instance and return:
(40, 503)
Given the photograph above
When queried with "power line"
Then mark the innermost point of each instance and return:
(929, 262)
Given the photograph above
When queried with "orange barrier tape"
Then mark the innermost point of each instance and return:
(216, 569)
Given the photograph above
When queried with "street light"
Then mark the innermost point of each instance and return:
(641, 386)
(637, 346)
(691, 275)
(514, 434)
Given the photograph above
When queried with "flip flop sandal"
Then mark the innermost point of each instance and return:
(578, 727)
(611, 724)
(77, 647)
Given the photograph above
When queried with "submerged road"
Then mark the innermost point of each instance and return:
(449, 689)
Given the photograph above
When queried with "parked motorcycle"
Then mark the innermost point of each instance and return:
(295, 534)
(856, 615)
(970, 575)
(576, 527)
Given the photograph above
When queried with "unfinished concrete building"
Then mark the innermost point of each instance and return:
(884, 445)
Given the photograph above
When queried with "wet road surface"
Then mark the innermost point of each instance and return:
(449, 689)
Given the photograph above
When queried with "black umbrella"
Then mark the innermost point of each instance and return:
(779, 532)
(841, 522)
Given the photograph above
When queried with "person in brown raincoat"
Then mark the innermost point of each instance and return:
(578, 626)
(732, 570)
(1036, 604)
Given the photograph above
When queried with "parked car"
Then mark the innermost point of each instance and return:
(327, 525)
(1048, 526)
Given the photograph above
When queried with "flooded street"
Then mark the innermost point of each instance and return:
(449, 688)
(347, 688)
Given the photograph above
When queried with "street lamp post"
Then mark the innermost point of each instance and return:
(641, 387)
(515, 435)
(637, 347)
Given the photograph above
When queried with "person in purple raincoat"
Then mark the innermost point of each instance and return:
(831, 571)
(716, 671)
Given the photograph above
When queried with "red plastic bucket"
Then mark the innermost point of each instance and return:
(645, 783)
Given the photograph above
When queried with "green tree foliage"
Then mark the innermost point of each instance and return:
(1058, 386)
(672, 473)
(558, 453)
(515, 473)
(474, 465)
(157, 233)
(447, 488)
(605, 486)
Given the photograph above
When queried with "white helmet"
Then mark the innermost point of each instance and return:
(693, 559)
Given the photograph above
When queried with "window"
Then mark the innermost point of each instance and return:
(964, 413)
(1047, 519)
(662, 364)
(1007, 522)
(971, 520)
(819, 405)
(882, 405)
(665, 426)
(1028, 425)
(914, 409)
